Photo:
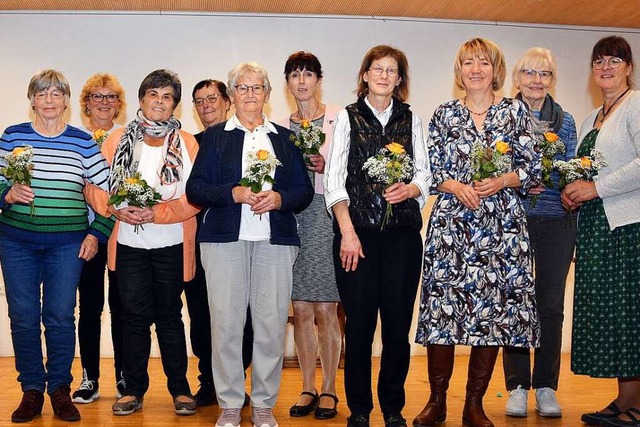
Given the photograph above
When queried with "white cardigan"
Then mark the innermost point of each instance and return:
(618, 184)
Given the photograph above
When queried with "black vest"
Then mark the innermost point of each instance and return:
(367, 206)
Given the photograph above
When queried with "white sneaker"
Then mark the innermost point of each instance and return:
(229, 417)
(517, 403)
(547, 404)
(263, 417)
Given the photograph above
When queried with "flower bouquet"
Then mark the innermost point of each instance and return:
(134, 191)
(391, 165)
(261, 164)
(309, 140)
(584, 168)
(99, 136)
(550, 147)
(490, 162)
(19, 169)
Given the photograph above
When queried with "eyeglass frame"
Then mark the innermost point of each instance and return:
(543, 74)
(199, 102)
(44, 94)
(244, 89)
(391, 72)
(614, 62)
(93, 97)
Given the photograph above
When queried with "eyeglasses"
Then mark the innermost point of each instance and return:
(110, 97)
(531, 73)
(243, 89)
(377, 71)
(55, 94)
(614, 62)
(211, 99)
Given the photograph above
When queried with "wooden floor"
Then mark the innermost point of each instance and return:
(577, 395)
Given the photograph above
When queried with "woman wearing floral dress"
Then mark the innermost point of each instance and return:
(478, 287)
(606, 339)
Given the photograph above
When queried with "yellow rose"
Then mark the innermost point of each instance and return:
(502, 147)
(132, 180)
(395, 148)
(550, 136)
(100, 133)
(262, 154)
(18, 150)
(585, 162)
(304, 123)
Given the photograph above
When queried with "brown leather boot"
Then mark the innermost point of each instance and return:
(30, 407)
(62, 405)
(481, 364)
(440, 366)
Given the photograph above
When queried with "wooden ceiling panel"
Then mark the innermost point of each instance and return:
(610, 13)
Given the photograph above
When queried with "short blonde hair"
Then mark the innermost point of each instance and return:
(101, 80)
(536, 58)
(481, 48)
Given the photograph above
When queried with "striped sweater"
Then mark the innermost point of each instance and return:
(61, 166)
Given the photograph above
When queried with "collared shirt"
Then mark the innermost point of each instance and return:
(254, 227)
(335, 175)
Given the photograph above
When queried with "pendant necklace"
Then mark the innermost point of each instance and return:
(481, 113)
(608, 110)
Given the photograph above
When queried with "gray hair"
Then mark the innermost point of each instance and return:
(161, 78)
(45, 79)
(536, 58)
(247, 68)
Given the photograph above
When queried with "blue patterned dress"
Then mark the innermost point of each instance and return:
(478, 286)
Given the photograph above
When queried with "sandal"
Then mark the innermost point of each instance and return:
(634, 419)
(304, 410)
(327, 413)
(594, 418)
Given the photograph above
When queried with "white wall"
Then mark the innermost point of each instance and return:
(208, 46)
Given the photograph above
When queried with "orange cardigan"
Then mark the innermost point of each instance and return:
(179, 210)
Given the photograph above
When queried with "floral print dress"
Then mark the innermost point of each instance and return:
(478, 286)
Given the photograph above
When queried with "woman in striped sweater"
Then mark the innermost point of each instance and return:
(43, 246)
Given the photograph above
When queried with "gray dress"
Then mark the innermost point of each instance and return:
(314, 277)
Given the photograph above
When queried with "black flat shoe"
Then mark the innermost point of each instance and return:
(594, 418)
(634, 419)
(327, 413)
(304, 410)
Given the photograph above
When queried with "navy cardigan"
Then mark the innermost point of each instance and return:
(217, 169)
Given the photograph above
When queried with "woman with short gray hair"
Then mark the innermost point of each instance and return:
(249, 242)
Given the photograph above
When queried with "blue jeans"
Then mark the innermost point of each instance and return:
(25, 267)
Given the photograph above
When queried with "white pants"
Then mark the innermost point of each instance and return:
(260, 275)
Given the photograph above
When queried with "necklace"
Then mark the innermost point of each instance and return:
(608, 110)
(312, 116)
(464, 100)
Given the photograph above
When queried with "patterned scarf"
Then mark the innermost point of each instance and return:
(551, 112)
(127, 157)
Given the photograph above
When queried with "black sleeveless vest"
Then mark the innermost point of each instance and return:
(367, 206)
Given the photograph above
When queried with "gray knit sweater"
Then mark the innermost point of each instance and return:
(618, 184)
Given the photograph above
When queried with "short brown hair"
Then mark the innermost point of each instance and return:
(614, 46)
(401, 92)
(481, 48)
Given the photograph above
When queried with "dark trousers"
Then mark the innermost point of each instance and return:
(385, 283)
(91, 296)
(151, 285)
(195, 292)
(553, 242)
